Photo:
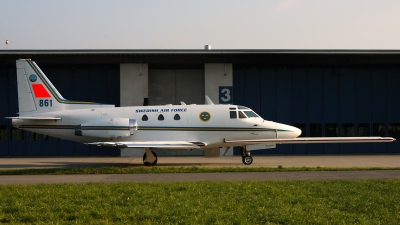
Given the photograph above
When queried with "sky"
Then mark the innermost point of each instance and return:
(190, 24)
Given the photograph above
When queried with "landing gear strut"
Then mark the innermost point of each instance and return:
(246, 158)
(149, 157)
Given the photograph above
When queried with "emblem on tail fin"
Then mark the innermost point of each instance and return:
(33, 78)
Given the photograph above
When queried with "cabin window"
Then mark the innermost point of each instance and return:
(145, 118)
(3, 133)
(160, 117)
(32, 136)
(233, 114)
(17, 134)
(363, 130)
(177, 117)
(241, 115)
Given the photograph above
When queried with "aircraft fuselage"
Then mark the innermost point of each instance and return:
(210, 124)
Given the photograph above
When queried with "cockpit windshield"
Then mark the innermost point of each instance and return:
(250, 114)
(242, 113)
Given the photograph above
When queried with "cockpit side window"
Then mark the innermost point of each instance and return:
(241, 115)
(233, 114)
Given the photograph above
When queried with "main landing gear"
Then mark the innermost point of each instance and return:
(149, 157)
(246, 158)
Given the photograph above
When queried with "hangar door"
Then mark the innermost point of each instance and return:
(171, 86)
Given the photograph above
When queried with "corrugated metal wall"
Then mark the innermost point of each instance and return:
(325, 102)
(94, 83)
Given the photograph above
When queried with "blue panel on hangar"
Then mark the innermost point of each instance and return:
(238, 86)
(315, 96)
(299, 95)
(50, 147)
(393, 106)
(4, 95)
(66, 84)
(17, 148)
(82, 84)
(378, 95)
(81, 149)
(363, 96)
(113, 86)
(331, 96)
(268, 94)
(347, 95)
(252, 90)
(299, 104)
(67, 148)
(315, 107)
(98, 84)
(284, 103)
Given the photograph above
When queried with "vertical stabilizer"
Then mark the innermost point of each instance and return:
(36, 94)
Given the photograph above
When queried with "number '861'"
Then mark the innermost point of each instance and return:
(45, 103)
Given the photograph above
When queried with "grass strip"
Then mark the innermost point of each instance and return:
(207, 202)
(193, 169)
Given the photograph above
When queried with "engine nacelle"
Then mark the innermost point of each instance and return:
(115, 128)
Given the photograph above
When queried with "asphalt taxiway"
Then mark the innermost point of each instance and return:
(340, 161)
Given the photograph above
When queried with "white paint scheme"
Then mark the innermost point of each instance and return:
(198, 127)
(133, 84)
(216, 75)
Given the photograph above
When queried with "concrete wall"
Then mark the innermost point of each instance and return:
(133, 84)
(171, 86)
(216, 75)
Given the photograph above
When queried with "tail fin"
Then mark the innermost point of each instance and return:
(36, 94)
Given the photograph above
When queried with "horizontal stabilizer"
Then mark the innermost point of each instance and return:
(314, 140)
(173, 145)
(33, 118)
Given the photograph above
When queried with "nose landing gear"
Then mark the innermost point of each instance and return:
(246, 157)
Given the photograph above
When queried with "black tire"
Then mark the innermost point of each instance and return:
(150, 163)
(247, 160)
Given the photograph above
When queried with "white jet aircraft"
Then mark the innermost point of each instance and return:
(43, 110)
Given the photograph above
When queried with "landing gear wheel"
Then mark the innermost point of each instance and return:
(247, 160)
(147, 163)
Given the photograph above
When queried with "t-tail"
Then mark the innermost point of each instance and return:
(36, 94)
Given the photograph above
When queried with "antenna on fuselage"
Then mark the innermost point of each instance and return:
(208, 101)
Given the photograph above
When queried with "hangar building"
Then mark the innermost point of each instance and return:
(323, 92)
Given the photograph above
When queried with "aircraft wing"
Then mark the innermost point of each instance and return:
(173, 145)
(313, 140)
(33, 118)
